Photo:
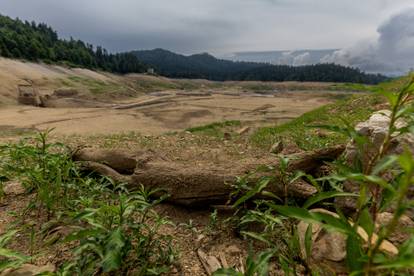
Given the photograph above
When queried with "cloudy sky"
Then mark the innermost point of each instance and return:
(217, 26)
(357, 27)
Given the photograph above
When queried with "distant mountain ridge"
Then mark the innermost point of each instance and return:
(206, 66)
(201, 65)
(39, 42)
(294, 57)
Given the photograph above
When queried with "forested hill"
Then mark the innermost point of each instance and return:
(205, 66)
(39, 42)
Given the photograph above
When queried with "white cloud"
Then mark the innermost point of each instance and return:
(216, 26)
(392, 52)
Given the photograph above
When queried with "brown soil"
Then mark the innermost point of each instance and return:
(138, 126)
(175, 114)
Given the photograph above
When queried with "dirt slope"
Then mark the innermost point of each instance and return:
(47, 78)
(175, 104)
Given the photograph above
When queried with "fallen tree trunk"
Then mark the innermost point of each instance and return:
(190, 185)
(118, 160)
(105, 170)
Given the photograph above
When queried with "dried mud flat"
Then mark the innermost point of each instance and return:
(149, 116)
(163, 112)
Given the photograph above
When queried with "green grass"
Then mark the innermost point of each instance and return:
(390, 85)
(159, 84)
(354, 109)
(349, 109)
(149, 85)
(214, 129)
(95, 86)
(112, 230)
(354, 87)
(259, 87)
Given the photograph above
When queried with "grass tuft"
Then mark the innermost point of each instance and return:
(352, 110)
(214, 129)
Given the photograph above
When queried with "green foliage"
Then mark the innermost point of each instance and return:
(95, 86)
(121, 236)
(364, 235)
(116, 231)
(35, 42)
(344, 113)
(205, 66)
(44, 168)
(10, 258)
(214, 129)
(354, 87)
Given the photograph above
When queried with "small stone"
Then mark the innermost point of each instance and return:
(402, 232)
(243, 130)
(326, 245)
(233, 249)
(277, 148)
(13, 188)
(210, 263)
(331, 246)
(321, 133)
(200, 237)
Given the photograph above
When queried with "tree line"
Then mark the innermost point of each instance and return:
(205, 66)
(39, 42)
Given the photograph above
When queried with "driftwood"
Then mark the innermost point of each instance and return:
(118, 160)
(105, 171)
(190, 185)
(197, 186)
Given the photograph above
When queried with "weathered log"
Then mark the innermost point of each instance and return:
(118, 160)
(310, 161)
(105, 171)
(192, 185)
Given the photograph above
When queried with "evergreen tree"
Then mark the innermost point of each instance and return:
(37, 42)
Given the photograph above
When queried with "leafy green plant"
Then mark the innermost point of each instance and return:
(276, 232)
(383, 180)
(43, 167)
(121, 236)
(10, 258)
(115, 231)
(214, 129)
(353, 109)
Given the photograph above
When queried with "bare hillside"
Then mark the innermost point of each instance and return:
(144, 103)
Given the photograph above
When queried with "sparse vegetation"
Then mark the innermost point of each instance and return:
(366, 251)
(114, 230)
(214, 129)
(96, 86)
(98, 226)
(302, 130)
(10, 259)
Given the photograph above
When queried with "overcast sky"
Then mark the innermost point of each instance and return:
(216, 26)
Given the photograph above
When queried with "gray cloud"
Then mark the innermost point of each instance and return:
(392, 52)
(224, 26)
